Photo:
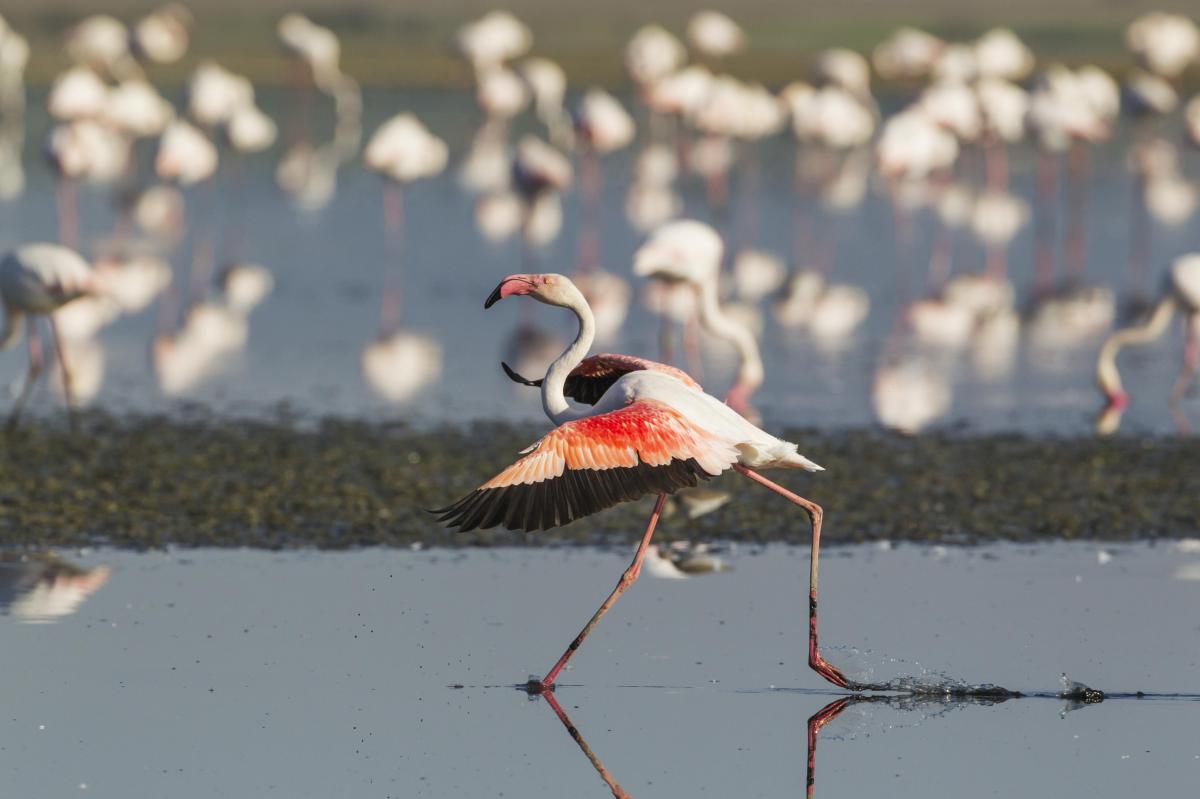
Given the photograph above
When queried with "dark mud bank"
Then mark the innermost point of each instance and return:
(148, 481)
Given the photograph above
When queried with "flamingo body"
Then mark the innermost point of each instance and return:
(650, 433)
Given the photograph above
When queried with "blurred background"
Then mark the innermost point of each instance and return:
(930, 218)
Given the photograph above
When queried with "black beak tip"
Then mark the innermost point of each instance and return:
(493, 298)
(516, 378)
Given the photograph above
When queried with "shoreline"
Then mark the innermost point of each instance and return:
(145, 481)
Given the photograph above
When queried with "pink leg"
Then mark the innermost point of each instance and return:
(818, 663)
(35, 371)
(691, 348)
(815, 723)
(1074, 247)
(393, 220)
(68, 392)
(1191, 358)
(68, 212)
(627, 579)
(617, 791)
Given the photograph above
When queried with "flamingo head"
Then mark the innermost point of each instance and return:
(551, 289)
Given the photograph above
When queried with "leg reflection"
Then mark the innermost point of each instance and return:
(617, 790)
(935, 704)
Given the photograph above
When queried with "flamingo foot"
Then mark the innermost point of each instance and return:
(830, 672)
(536, 687)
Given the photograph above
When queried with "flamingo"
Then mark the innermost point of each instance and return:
(102, 42)
(494, 38)
(652, 54)
(1163, 43)
(41, 588)
(398, 363)
(690, 251)
(37, 280)
(908, 54)
(649, 433)
(1181, 294)
(999, 53)
(548, 83)
(603, 126)
(714, 34)
(162, 35)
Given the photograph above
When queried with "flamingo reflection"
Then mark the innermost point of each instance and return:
(41, 588)
(617, 791)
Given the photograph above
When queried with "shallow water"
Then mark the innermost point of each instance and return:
(248, 673)
(307, 339)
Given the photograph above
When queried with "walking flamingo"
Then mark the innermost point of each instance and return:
(37, 280)
(649, 433)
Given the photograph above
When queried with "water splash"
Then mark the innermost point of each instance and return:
(1077, 695)
(914, 680)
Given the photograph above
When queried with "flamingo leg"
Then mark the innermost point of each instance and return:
(627, 579)
(67, 198)
(815, 723)
(617, 791)
(1191, 358)
(393, 220)
(35, 371)
(815, 514)
(691, 347)
(68, 393)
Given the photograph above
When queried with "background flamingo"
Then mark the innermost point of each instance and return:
(36, 280)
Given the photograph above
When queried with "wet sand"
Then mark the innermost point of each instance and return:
(199, 480)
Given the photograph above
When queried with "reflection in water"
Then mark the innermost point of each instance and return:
(577, 737)
(928, 706)
(41, 588)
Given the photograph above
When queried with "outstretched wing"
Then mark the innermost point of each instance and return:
(591, 464)
(596, 374)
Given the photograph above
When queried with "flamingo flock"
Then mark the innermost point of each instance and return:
(930, 125)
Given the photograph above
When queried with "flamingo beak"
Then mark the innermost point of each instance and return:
(513, 284)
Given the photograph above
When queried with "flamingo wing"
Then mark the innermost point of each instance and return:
(596, 374)
(585, 466)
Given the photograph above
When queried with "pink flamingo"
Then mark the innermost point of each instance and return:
(1181, 294)
(37, 280)
(649, 433)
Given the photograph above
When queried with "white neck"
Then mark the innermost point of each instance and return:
(750, 370)
(554, 403)
(1147, 331)
(12, 328)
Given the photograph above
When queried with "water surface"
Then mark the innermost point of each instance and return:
(247, 673)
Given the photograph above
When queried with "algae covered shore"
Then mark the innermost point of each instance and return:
(151, 481)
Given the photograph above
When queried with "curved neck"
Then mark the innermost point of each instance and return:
(12, 328)
(1149, 330)
(554, 403)
(714, 320)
